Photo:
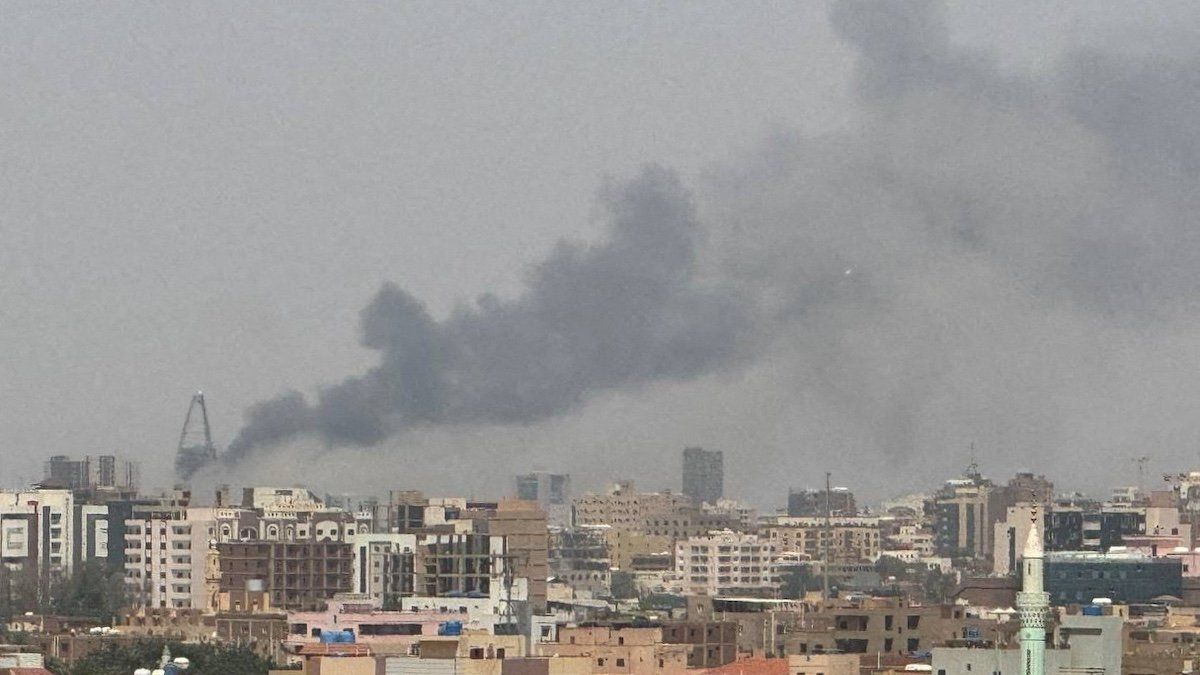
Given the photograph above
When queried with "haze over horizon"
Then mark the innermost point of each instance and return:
(868, 236)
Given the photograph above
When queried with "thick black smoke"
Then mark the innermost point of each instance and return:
(983, 255)
(623, 312)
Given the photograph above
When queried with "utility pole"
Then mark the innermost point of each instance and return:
(827, 539)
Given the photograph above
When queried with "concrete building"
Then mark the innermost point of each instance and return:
(1080, 644)
(711, 644)
(622, 506)
(92, 474)
(579, 557)
(619, 649)
(165, 549)
(823, 664)
(813, 503)
(964, 513)
(1077, 577)
(626, 546)
(1011, 533)
(850, 539)
(383, 567)
(46, 534)
(884, 626)
(703, 475)
(726, 563)
(551, 491)
(296, 575)
(523, 526)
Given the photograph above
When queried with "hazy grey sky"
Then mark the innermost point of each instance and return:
(206, 195)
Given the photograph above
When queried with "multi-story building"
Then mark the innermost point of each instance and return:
(850, 539)
(883, 626)
(166, 549)
(579, 557)
(296, 575)
(526, 543)
(690, 521)
(964, 513)
(621, 649)
(622, 506)
(711, 644)
(703, 475)
(551, 491)
(726, 563)
(1078, 577)
(1010, 535)
(1079, 524)
(92, 474)
(384, 567)
(625, 546)
(47, 534)
(839, 501)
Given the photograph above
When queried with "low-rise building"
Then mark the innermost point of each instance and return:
(620, 649)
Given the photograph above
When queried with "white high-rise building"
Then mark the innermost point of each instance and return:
(165, 555)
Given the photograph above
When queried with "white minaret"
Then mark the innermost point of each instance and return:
(1033, 602)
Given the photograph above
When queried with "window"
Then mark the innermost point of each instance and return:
(600, 662)
(620, 663)
(621, 640)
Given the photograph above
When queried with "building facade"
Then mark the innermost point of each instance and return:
(703, 475)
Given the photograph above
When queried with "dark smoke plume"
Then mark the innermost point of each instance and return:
(616, 314)
(1008, 257)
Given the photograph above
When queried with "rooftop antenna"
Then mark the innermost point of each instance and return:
(196, 447)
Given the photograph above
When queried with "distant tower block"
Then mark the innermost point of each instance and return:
(703, 475)
(196, 447)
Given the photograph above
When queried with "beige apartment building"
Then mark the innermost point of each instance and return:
(620, 649)
(726, 563)
(622, 506)
(624, 546)
(526, 543)
(852, 539)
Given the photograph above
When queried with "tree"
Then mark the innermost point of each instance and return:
(888, 566)
(938, 586)
(622, 586)
(124, 658)
(799, 580)
(94, 590)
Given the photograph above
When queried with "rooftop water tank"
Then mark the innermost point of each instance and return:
(1091, 610)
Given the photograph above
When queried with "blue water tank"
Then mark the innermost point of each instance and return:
(450, 628)
(1091, 610)
(328, 636)
(346, 637)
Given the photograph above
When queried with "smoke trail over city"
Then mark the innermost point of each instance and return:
(626, 311)
(981, 254)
